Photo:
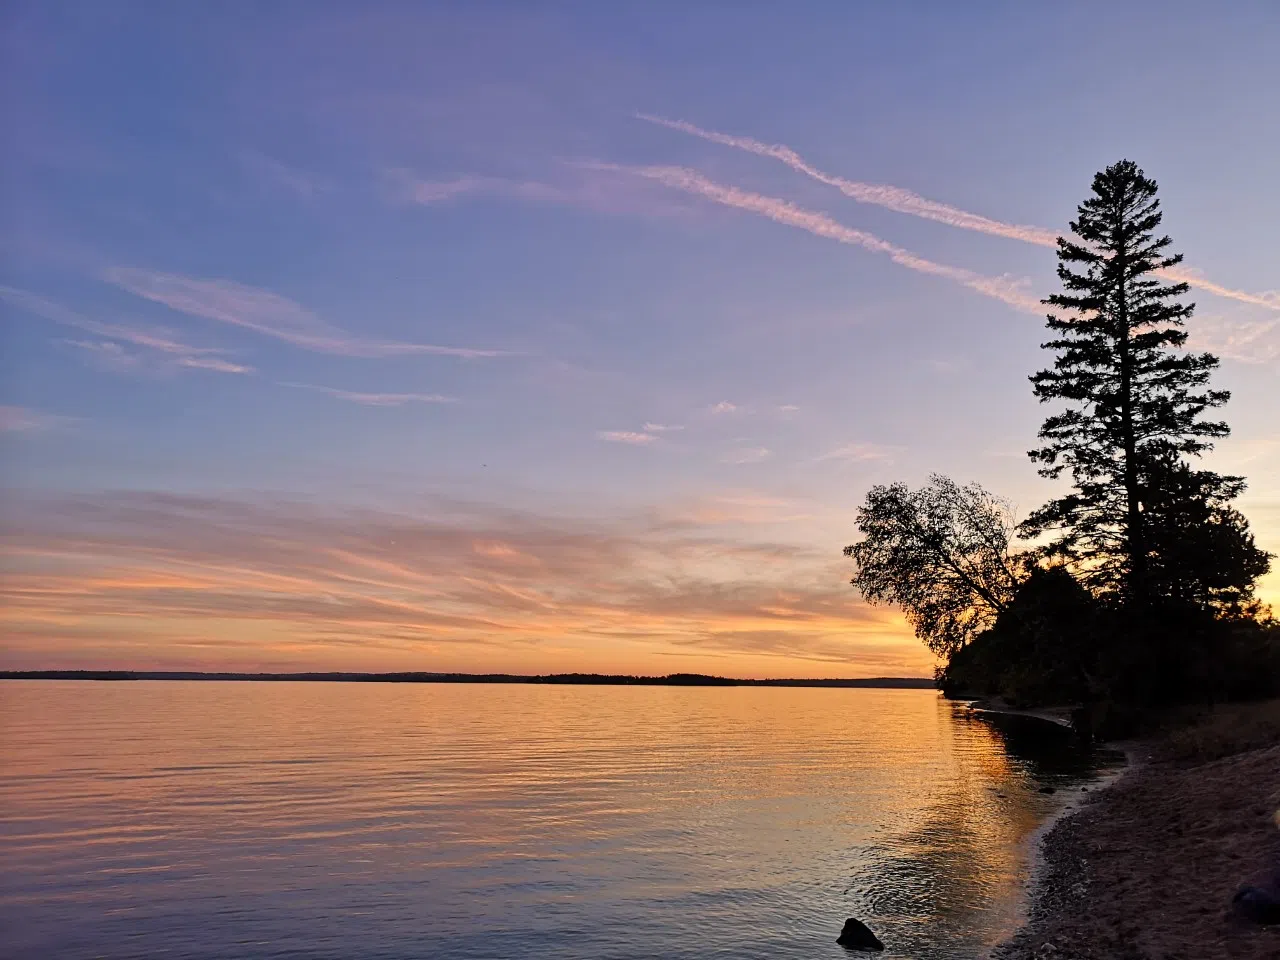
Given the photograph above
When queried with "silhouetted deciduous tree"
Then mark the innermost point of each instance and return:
(1133, 394)
(941, 553)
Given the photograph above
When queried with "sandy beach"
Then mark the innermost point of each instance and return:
(1147, 866)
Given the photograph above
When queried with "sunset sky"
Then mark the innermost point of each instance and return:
(548, 337)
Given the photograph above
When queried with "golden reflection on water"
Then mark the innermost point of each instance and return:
(254, 819)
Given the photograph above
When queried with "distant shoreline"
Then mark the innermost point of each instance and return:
(580, 679)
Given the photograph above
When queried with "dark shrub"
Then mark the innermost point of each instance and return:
(1041, 650)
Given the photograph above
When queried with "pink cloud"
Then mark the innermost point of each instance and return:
(215, 364)
(1013, 292)
(744, 455)
(587, 186)
(377, 399)
(627, 436)
(266, 313)
(906, 201)
(151, 348)
(859, 453)
(26, 420)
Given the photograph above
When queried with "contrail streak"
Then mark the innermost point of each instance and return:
(905, 201)
(1005, 289)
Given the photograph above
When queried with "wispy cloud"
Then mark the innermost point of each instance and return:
(628, 436)
(594, 187)
(148, 349)
(1014, 292)
(748, 455)
(1191, 275)
(267, 313)
(1246, 341)
(736, 507)
(429, 192)
(376, 399)
(724, 406)
(223, 578)
(883, 195)
(908, 202)
(649, 433)
(858, 453)
(275, 173)
(214, 363)
(26, 420)
(108, 355)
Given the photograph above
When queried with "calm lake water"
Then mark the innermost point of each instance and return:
(271, 820)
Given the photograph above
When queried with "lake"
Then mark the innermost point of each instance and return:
(267, 820)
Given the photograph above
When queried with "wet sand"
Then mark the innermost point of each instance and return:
(1147, 867)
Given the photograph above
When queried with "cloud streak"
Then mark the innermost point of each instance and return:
(592, 187)
(273, 173)
(376, 399)
(152, 347)
(858, 453)
(745, 455)
(908, 202)
(26, 420)
(214, 363)
(1007, 290)
(88, 576)
(628, 436)
(1247, 341)
(268, 314)
(648, 434)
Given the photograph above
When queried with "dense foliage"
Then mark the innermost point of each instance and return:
(1042, 648)
(1199, 548)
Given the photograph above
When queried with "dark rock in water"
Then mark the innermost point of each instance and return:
(856, 936)
(1048, 790)
(1257, 905)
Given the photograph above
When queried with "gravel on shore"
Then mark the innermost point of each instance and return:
(1145, 869)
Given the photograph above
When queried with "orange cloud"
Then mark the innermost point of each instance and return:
(133, 579)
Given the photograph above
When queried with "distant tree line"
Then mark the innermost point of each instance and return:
(1136, 586)
(581, 679)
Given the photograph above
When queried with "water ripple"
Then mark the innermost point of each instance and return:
(203, 820)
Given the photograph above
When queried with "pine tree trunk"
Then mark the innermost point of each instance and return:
(1134, 540)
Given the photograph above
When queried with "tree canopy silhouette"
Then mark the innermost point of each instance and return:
(941, 553)
(1200, 550)
(1143, 593)
(1133, 396)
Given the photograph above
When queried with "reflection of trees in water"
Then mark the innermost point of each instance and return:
(947, 884)
(1048, 752)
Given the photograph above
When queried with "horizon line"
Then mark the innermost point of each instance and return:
(424, 676)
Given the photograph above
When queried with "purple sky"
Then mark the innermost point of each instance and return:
(567, 336)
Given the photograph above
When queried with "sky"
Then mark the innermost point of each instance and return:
(553, 337)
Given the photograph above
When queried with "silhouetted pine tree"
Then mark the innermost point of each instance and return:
(1133, 394)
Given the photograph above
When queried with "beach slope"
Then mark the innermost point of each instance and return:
(1147, 867)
